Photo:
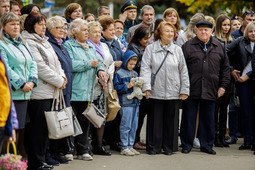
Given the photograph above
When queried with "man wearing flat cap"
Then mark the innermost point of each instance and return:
(209, 74)
(128, 15)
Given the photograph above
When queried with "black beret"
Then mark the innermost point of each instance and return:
(204, 24)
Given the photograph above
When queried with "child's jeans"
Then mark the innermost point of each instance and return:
(128, 126)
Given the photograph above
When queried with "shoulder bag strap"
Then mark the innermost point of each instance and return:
(161, 63)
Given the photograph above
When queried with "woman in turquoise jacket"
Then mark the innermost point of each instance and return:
(86, 64)
(21, 68)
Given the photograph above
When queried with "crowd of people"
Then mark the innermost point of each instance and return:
(203, 69)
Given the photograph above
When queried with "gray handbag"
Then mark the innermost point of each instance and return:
(92, 113)
(60, 123)
(76, 126)
(153, 76)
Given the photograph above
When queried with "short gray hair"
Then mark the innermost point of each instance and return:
(247, 29)
(75, 27)
(94, 24)
(147, 7)
(50, 23)
(99, 10)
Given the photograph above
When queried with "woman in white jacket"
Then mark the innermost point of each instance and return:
(171, 85)
(51, 78)
(104, 54)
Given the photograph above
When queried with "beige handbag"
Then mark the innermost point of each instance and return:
(113, 105)
(60, 123)
(92, 113)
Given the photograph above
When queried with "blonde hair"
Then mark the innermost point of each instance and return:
(211, 20)
(6, 18)
(169, 11)
(192, 23)
(247, 29)
(75, 27)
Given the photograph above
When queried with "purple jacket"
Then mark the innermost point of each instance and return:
(12, 121)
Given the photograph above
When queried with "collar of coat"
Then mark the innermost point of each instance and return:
(159, 48)
(76, 44)
(195, 40)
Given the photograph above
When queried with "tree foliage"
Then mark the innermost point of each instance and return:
(228, 6)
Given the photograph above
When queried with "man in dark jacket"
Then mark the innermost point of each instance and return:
(209, 75)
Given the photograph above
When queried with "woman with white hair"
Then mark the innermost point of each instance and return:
(55, 31)
(86, 65)
(22, 70)
(104, 54)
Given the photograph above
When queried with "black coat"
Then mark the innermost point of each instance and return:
(66, 64)
(208, 71)
(139, 52)
(240, 53)
(114, 48)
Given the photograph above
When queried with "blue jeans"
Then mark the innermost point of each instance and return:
(128, 126)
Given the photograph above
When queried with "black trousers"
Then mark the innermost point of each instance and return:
(162, 125)
(81, 142)
(2, 129)
(38, 132)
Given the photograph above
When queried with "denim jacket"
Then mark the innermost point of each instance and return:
(122, 79)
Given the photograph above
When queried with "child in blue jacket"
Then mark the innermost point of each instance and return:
(129, 108)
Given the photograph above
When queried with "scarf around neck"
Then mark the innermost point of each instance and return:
(99, 48)
(84, 45)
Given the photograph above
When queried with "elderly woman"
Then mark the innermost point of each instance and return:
(171, 15)
(22, 70)
(72, 12)
(112, 128)
(55, 31)
(108, 37)
(51, 78)
(119, 27)
(86, 65)
(164, 94)
(240, 60)
(103, 52)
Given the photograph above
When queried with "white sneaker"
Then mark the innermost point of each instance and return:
(85, 156)
(196, 143)
(127, 152)
(134, 151)
(69, 157)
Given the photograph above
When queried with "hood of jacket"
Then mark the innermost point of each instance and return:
(127, 56)
(33, 36)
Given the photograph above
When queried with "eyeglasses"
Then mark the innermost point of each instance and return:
(60, 28)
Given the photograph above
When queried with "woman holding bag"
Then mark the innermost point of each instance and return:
(51, 78)
(103, 52)
(86, 65)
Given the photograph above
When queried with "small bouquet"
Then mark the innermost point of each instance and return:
(12, 161)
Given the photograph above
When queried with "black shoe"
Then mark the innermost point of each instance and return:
(253, 147)
(168, 153)
(60, 159)
(101, 151)
(224, 143)
(151, 152)
(245, 147)
(43, 168)
(231, 140)
(51, 161)
(209, 151)
(217, 142)
(116, 147)
(186, 151)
